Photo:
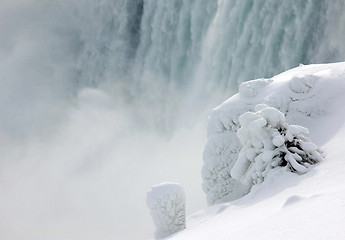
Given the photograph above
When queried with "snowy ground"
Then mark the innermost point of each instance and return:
(287, 205)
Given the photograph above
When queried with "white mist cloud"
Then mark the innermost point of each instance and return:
(89, 178)
(76, 162)
(36, 66)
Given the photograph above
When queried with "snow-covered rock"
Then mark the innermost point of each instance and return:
(166, 202)
(286, 205)
(300, 96)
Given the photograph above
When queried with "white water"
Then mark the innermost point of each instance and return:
(101, 100)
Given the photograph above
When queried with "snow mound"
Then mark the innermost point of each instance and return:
(252, 88)
(285, 205)
(300, 96)
(302, 84)
(166, 202)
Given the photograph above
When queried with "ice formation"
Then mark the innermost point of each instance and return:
(268, 141)
(166, 202)
(293, 206)
(294, 99)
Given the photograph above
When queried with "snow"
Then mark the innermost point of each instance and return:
(283, 92)
(286, 205)
(268, 141)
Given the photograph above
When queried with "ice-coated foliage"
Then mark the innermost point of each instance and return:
(268, 141)
(166, 202)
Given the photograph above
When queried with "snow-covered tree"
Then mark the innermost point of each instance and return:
(268, 141)
(166, 202)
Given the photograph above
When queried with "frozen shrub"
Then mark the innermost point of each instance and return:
(166, 202)
(268, 141)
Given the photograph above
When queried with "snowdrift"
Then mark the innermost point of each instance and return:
(285, 205)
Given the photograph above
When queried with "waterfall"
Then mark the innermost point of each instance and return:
(101, 99)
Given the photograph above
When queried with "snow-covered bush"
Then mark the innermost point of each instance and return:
(166, 202)
(268, 141)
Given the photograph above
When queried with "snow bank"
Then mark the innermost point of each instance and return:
(286, 205)
(166, 202)
(300, 96)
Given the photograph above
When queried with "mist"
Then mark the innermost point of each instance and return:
(88, 178)
(76, 158)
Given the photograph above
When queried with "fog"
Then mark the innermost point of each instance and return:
(77, 158)
(88, 178)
